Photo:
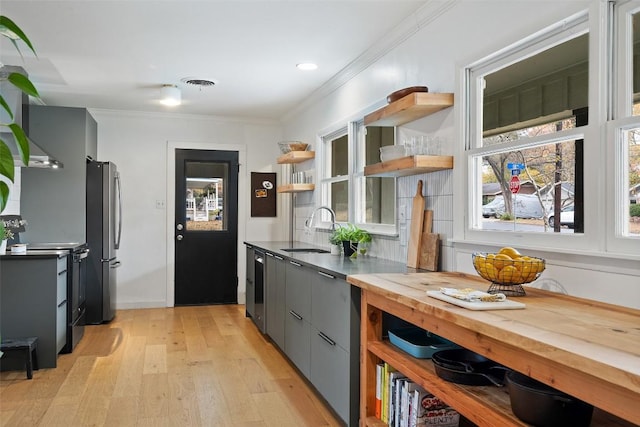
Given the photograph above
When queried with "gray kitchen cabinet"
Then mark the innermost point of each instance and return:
(250, 283)
(335, 343)
(330, 374)
(297, 344)
(275, 294)
(33, 303)
(70, 135)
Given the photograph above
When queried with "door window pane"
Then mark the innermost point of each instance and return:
(206, 184)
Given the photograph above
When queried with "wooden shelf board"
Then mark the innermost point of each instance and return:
(411, 107)
(410, 165)
(296, 157)
(295, 188)
(488, 404)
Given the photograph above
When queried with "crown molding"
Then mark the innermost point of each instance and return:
(422, 17)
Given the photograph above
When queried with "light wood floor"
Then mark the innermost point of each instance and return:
(185, 366)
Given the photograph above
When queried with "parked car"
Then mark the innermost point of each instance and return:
(525, 206)
(566, 217)
(490, 209)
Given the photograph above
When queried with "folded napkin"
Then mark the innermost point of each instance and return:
(472, 295)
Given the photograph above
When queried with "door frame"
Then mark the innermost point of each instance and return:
(170, 209)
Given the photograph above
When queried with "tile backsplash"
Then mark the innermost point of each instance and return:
(438, 192)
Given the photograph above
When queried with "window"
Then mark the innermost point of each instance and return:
(624, 129)
(369, 202)
(335, 176)
(525, 141)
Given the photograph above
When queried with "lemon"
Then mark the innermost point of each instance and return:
(502, 260)
(537, 265)
(507, 250)
(491, 273)
(510, 275)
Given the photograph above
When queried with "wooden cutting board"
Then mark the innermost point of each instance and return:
(415, 231)
(429, 251)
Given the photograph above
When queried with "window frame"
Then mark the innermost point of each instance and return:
(472, 150)
(355, 178)
(620, 121)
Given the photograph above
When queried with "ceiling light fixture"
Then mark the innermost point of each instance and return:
(307, 66)
(170, 95)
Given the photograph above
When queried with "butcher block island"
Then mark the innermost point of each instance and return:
(587, 349)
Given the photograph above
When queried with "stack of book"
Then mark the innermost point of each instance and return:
(401, 402)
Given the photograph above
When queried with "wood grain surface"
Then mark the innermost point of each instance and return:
(586, 348)
(193, 366)
(415, 230)
(429, 251)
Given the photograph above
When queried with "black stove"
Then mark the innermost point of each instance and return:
(76, 287)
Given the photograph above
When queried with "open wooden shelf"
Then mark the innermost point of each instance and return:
(410, 165)
(295, 188)
(412, 107)
(468, 400)
(296, 157)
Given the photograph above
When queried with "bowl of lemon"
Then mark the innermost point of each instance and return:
(508, 270)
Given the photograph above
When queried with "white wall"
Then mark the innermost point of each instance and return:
(450, 37)
(137, 143)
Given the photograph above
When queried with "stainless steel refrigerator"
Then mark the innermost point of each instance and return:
(104, 230)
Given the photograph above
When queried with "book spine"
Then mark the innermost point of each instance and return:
(379, 372)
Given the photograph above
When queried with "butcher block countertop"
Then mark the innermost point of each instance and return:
(588, 349)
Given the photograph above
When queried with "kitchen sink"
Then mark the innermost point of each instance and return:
(306, 250)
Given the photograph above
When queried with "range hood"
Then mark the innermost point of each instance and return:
(19, 103)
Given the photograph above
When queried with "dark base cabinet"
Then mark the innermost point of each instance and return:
(33, 303)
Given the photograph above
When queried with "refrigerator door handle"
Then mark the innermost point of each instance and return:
(115, 264)
(119, 191)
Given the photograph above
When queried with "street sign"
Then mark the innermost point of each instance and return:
(515, 172)
(514, 184)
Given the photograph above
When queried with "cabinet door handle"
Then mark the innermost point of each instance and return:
(295, 263)
(269, 253)
(249, 247)
(278, 257)
(294, 314)
(62, 303)
(60, 273)
(326, 338)
(326, 275)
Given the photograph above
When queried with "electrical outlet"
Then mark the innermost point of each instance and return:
(160, 204)
(403, 235)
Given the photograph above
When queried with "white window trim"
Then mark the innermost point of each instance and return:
(617, 184)
(360, 185)
(590, 241)
(355, 177)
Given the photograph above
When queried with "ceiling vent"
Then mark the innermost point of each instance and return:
(195, 81)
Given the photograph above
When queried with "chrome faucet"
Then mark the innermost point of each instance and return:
(309, 222)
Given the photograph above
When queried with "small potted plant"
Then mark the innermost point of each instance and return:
(350, 236)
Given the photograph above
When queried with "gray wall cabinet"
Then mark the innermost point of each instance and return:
(53, 201)
(33, 303)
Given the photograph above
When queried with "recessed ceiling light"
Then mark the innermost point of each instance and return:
(307, 66)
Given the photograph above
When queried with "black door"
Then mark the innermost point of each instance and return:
(206, 228)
